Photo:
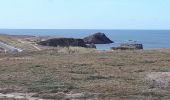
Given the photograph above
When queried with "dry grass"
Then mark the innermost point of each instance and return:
(80, 73)
(112, 75)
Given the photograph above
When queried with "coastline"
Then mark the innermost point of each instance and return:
(105, 47)
(76, 73)
(149, 38)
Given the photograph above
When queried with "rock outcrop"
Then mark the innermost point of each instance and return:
(97, 38)
(63, 42)
(88, 42)
(128, 46)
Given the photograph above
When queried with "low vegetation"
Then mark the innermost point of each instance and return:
(81, 73)
(57, 73)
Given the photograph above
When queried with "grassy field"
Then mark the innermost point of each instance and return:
(83, 74)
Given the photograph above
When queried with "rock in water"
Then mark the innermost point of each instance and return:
(128, 46)
(134, 46)
(63, 42)
(97, 38)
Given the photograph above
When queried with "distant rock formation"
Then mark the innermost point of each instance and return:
(97, 38)
(63, 42)
(88, 42)
(128, 46)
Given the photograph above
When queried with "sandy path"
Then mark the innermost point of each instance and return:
(9, 47)
(19, 96)
(16, 58)
(37, 48)
(25, 42)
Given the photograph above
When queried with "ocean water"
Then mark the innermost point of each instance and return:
(151, 39)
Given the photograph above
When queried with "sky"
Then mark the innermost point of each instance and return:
(85, 14)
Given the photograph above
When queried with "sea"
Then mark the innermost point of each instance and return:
(151, 39)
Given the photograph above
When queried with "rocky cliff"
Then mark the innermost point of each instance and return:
(97, 38)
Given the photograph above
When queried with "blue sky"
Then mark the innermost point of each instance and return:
(85, 14)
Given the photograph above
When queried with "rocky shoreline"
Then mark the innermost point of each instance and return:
(87, 42)
(46, 42)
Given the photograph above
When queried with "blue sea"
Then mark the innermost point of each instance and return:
(151, 39)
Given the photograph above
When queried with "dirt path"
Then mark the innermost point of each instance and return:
(39, 49)
(18, 96)
(22, 96)
(9, 47)
(25, 42)
(2, 59)
(16, 58)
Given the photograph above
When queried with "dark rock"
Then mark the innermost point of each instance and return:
(97, 38)
(63, 42)
(128, 47)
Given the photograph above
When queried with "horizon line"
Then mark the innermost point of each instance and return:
(70, 29)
